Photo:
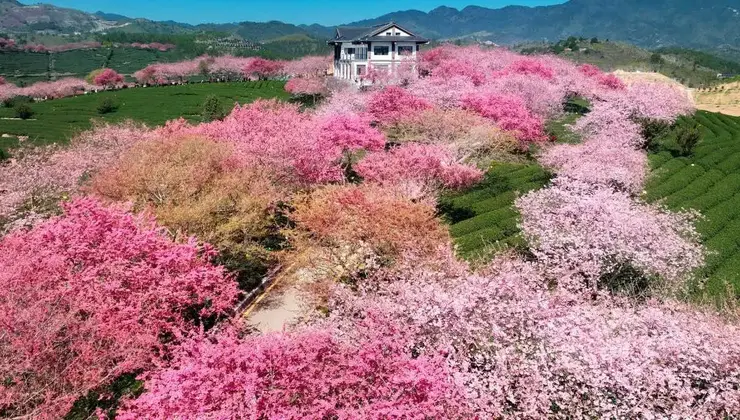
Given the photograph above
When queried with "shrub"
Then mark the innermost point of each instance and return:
(651, 130)
(16, 100)
(213, 109)
(91, 295)
(106, 106)
(687, 137)
(192, 186)
(23, 111)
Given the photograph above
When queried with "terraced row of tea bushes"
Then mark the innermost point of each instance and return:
(707, 181)
(483, 219)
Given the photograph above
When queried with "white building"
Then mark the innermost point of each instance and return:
(381, 48)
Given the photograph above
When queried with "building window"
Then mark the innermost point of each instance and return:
(382, 68)
(350, 50)
(381, 50)
(387, 34)
(405, 50)
(361, 70)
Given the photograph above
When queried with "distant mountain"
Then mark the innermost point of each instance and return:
(111, 16)
(703, 24)
(651, 24)
(259, 31)
(16, 17)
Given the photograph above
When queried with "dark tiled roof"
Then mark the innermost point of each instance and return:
(413, 38)
(353, 33)
(349, 33)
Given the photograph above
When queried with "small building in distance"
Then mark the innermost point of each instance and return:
(381, 47)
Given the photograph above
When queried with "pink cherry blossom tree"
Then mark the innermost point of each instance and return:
(428, 164)
(583, 232)
(91, 295)
(108, 78)
(509, 112)
(272, 134)
(308, 374)
(522, 350)
(392, 103)
(261, 68)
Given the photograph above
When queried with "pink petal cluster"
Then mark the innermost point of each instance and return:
(108, 78)
(414, 333)
(47, 90)
(607, 80)
(226, 67)
(599, 162)
(418, 162)
(153, 46)
(11, 45)
(350, 132)
(309, 66)
(308, 374)
(522, 351)
(509, 112)
(393, 103)
(309, 86)
(35, 176)
(531, 67)
(7, 44)
(581, 232)
(274, 135)
(91, 295)
(261, 68)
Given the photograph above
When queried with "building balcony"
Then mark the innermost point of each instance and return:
(353, 57)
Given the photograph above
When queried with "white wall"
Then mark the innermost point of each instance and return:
(346, 68)
(394, 32)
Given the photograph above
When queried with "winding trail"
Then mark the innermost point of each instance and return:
(277, 306)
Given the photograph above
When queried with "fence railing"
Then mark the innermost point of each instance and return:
(360, 55)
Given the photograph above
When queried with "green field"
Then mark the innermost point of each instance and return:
(57, 120)
(483, 219)
(708, 181)
(31, 67)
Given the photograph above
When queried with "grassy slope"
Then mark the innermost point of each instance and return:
(692, 68)
(57, 120)
(483, 220)
(613, 55)
(707, 181)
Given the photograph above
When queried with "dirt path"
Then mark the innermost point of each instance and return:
(277, 307)
(724, 98)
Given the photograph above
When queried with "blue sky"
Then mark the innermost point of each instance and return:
(326, 12)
